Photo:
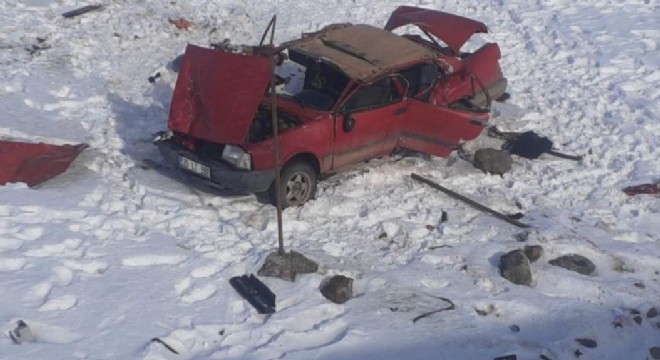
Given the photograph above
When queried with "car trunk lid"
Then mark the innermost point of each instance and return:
(454, 30)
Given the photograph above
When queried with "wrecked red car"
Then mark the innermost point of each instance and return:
(362, 92)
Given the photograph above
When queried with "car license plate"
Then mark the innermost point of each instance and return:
(194, 166)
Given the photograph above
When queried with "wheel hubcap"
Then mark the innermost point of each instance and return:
(297, 189)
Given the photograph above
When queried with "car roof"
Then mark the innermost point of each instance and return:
(361, 51)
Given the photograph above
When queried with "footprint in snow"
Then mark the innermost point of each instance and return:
(65, 302)
(153, 260)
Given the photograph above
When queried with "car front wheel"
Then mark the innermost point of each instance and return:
(297, 185)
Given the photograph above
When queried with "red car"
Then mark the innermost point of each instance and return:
(365, 92)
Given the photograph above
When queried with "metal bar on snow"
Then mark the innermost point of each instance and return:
(470, 202)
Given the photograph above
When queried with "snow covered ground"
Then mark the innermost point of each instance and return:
(118, 251)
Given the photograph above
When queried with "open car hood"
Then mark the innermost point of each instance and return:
(454, 30)
(34, 163)
(217, 94)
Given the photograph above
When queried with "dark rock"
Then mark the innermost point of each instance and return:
(492, 161)
(638, 319)
(653, 312)
(586, 342)
(533, 252)
(287, 266)
(574, 262)
(655, 352)
(338, 289)
(514, 266)
(514, 328)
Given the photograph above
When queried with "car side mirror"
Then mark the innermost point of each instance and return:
(349, 122)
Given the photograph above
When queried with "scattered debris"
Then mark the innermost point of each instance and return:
(507, 357)
(444, 217)
(637, 319)
(485, 311)
(81, 11)
(586, 342)
(514, 266)
(21, 333)
(574, 262)
(255, 292)
(640, 285)
(450, 306)
(36, 49)
(653, 312)
(528, 144)
(533, 252)
(516, 216)
(180, 23)
(286, 266)
(514, 328)
(577, 353)
(492, 161)
(167, 346)
(338, 289)
(35, 163)
(153, 77)
(522, 236)
(650, 189)
(470, 202)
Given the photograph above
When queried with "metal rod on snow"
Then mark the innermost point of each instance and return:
(276, 138)
(470, 202)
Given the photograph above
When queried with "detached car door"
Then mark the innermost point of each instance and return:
(364, 122)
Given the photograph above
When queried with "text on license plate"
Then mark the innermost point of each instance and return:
(195, 167)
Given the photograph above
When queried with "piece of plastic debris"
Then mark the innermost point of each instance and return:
(21, 333)
(181, 23)
(255, 292)
(82, 10)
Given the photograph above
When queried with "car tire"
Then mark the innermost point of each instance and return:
(298, 185)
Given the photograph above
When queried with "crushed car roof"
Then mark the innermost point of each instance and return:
(361, 51)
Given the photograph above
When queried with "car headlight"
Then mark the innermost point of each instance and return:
(237, 157)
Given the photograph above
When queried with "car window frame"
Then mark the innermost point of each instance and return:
(391, 78)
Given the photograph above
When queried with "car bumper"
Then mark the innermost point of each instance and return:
(242, 181)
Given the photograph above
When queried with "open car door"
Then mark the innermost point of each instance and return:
(439, 130)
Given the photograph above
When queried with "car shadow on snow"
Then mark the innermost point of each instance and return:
(137, 124)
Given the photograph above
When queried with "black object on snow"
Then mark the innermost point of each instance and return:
(82, 10)
(507, 357)
(255, 292)
(528, 145)
(574, 262)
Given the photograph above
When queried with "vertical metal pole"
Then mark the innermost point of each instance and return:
(276, 143)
